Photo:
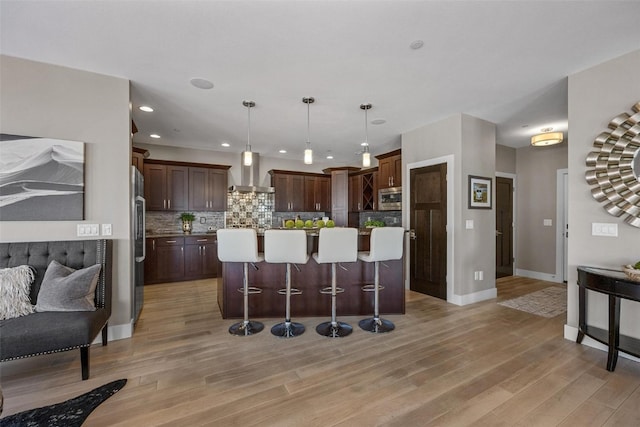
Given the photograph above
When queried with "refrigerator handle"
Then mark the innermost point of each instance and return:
(144, 227)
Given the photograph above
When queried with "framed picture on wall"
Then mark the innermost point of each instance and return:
(479, 192)
(42, 179)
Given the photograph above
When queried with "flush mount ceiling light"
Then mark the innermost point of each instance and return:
(366, 155)
(225, 144)
(282, 151)
(145, 108)
(201, 83)
(155, 136)
(547, 138)
(247, 155)
(308, 153)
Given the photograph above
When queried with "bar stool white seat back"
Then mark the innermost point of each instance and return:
(241, 245)
(335, 245)
(286, 247)
(386, 244)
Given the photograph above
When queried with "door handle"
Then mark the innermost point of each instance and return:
(498, 233)
(412, 234)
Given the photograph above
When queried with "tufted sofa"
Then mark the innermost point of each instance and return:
(50, 332)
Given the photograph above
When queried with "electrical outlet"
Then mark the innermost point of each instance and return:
(203, 220)
(106, 229)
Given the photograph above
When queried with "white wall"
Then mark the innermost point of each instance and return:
(596, 96)
(471, 144)
(51, 101)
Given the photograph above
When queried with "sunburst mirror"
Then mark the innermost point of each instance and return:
(614, 167)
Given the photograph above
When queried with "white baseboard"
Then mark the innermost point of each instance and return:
(116, 332)
(571, 333)
(537, 275)
(474, 297)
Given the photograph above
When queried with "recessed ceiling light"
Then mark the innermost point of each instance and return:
(416, 44)
(378, 121)
(146, 108)
(154, 135)
(364, 144)
(330, 157)
(282, 151)
(225, 144)
(201, 83)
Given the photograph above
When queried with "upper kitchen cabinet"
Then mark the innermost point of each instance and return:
(207, 189)
(363, 190)
(137, 158)
(289, 191)
(166, 187)
(180, 186)
(317, 193)
(390, 169)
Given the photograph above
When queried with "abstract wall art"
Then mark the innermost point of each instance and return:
(41, 179)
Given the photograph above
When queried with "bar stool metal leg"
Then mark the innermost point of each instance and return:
(288, 329)
(246, 327)
(334, 329)
(376, 324)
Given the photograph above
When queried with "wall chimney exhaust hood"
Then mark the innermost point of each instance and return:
(250, 177)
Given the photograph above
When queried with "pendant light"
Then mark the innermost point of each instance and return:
(308, 153)
(247, 155)
(366, 155)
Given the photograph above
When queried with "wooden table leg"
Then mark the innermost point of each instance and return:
(614, 332)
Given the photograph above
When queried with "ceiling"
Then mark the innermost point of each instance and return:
(505, 62)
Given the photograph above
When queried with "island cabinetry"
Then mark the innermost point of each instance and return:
(289, 188)
(166, 187)
(165, 260)
(390, 169)
(207, 189)
(200, 257)
(317, 193)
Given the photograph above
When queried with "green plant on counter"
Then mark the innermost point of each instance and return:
(637, 265)
(374, 223)
(187, 217)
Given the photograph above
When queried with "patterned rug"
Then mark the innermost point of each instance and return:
(70, 413)
(547, 302)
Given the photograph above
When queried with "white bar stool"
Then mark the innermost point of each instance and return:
(386, 244)
(335, 245)
(241, 245)
(290, 247)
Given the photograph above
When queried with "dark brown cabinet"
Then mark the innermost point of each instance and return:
(340, 197)
(317, 193)
(207, 189)
(390, 169)
(363, 191)
(201, 257)
(174, 259)
(164, 260)
(289, 191)
(166, 187)
(177, 186)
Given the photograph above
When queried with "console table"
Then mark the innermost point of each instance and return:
(617, 286)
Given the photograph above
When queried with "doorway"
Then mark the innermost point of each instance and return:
(504, 226)
(428, 220)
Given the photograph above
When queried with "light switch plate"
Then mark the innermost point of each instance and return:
(86, 230)
(469, 224)
(547, 222)
(106, 229)
(604, 229)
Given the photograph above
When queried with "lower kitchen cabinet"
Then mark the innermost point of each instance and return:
(200, 257)
(175, 259)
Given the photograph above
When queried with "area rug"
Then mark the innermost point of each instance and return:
(70, 413)
(547, 302)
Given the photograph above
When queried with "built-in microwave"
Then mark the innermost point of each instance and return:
(390, 199)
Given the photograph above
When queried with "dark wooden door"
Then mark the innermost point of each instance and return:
(428, 212)
(296, 192)
(323, 194)
(385, 171)
(217, 189)
(504, 227)
(150, 266)
(397, 171)
(192, 261)
(310, 194)
(198, 197)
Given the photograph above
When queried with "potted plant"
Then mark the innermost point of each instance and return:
(187, 221)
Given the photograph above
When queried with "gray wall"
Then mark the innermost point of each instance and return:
(596, 96)
(471, 144)
(51, 101)
(535, 201)
(505, 159)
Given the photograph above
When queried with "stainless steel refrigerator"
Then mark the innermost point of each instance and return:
(138, 207)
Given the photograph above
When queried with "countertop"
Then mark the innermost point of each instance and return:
(310, 232)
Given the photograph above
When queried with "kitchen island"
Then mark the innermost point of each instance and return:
(310, 279)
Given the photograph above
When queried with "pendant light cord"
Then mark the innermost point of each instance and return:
(249, 128)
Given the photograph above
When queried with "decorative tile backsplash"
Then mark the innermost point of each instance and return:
(249, 210)
(158, 222)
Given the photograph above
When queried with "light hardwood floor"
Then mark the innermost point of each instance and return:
(481, 365)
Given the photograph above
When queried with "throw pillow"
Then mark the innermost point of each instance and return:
(66, 289)
(15, 283)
